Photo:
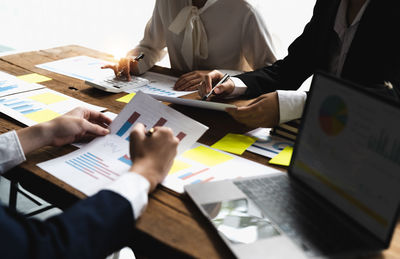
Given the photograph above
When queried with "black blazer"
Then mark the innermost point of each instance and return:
(373, 57)
(92, 228)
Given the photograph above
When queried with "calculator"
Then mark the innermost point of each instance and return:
(113, 85)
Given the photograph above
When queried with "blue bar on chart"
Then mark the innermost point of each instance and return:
(128, 124)
(92, 165)
(190, 174)
(126, 159)
(21, 106)
(6, 88)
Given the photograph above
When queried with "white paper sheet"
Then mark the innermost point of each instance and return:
(267, 145)
(34, 106)
(10, 84)
(105, 158)
(160, 85)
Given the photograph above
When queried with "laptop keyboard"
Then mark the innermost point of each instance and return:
(299, 216)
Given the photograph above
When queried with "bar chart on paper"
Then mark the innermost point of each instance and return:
(40, 105)
(202, 164)
(10, 84)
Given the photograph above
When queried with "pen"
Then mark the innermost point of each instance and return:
(137, 58)
(150, 132)
(223, 80)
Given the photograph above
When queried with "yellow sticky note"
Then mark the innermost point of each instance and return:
(42, 115)
(34, 78)
(48, 98)
(126, 98)
(178, 166)
(283, 158)
(234, 143)
(206, 156)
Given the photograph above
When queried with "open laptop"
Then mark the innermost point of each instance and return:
(341, 194)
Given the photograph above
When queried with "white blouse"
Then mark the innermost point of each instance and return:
(223, 34)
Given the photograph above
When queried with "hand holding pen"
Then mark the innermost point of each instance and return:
(125, 66)
(223, 87)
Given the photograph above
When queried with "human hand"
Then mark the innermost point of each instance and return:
(123, 68)
(262, 112)
(152, 157)
(214, 77)
(191, 81)
(75, 125)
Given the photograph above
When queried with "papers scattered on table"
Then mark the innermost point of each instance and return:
(104, 159)
(160, 85)
(10, 84)
(234, 143)
(266, 144)
(195, 103)
(204, 164)
(283, 158)
(40, 105)
(34, 78)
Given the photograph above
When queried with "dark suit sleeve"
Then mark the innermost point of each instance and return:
(297, 66)
(92, 228)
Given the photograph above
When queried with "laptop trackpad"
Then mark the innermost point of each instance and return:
(240, 221)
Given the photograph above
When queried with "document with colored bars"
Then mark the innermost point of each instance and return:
(104, 159)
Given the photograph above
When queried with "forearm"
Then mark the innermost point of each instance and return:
(34, 137)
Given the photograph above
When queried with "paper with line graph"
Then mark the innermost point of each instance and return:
(104, 159)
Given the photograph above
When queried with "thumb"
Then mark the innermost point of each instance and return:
(221, 88)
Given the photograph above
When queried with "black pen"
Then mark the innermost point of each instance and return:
(137, 58)
(223, 80)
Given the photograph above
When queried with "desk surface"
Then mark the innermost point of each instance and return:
(171, 221)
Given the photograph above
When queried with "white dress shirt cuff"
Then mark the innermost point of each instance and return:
(11, 152)
(240, 88)
(291, 104)
(134, 188)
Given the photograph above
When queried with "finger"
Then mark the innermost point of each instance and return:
(138, 132)
(186, 80)
(93, 129)
(113, 67)
(99, 118)
(127, 70)
(222, 88)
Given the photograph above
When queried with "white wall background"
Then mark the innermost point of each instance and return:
(116, 26)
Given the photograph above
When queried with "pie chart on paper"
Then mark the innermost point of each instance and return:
(333, 115)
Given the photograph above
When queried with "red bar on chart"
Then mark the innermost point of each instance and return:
(134, 117)
(181, 135)
(160, 122)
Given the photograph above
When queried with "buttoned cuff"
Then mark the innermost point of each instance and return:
(11, 152)
(134, 188)
(291, 104)
(240, 88)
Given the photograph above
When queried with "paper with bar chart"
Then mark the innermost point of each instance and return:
(204, 164)
(105, 158)
(10, 84)
(40, 105)
(160, 85)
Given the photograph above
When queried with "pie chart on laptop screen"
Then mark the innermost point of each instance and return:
(333, 115)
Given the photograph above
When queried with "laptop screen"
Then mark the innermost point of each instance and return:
(349, 152)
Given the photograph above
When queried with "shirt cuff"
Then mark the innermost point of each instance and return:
(134, 188)
(291, 104)
(11, 152)
(240, 88)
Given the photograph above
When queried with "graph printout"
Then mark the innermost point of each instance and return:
(105, 158)
(160, 85)
(10, 84)
(40, 105)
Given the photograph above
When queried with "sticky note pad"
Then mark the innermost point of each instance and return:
(207, 156)
(42, 115)
(178, 165)
(283, 158)
(126, 98)
(48, 98)
(234, 143)
(34, 78)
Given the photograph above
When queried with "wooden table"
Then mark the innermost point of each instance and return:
(171, 225)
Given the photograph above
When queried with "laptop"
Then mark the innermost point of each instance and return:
(341, 194)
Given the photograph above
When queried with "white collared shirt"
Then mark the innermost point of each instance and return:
(131, 186)
(223, 34)
(291, 103)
